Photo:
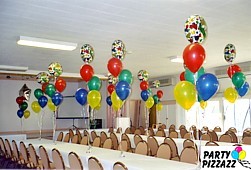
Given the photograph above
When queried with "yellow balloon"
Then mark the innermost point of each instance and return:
(159, 106)
(27, 114)
(242, 155)
(203, 104)
(231, 94)
(116, 101)
(94, 98)
(98, 107)
(51, 105)
(185, 94)
(149, 102)
(115, 108)
(35, 107)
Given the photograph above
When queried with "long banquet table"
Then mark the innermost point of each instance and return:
(108, 157)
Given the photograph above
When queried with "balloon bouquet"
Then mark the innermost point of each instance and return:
(157, 97)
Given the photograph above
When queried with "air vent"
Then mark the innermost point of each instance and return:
(163, 82)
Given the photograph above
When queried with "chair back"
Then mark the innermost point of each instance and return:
(115, 142)
(60, 136)
(233, 135)
(2, 146)
(150, 131)
(119, 166)
(153, 145)
(233, 129)
(16, 154)
(84, 140)
(160, 133)
(94, 164)
(74, 161)
(93, 135)
(183, 131)
(57, 159)
(246, 133)
(119, 130)
(75, 139)
(103, 137)
(33, 156)
(188, 143)
(172, 126)
(71, 133)
(217, 129)
(163, 126)
(142, 130)
(66, 137)
(173, 146)
(24, 153)
(142, 148)
(44, 158)
(8, 148)
(213, 134)
(137, 138)
(124, 136)
(204, 128)
(189, 155)
(247, 140)
(206, 136)
(123, 145)
(225, 138)
(211, 143)
(164, 151)
(108, 143)
(128, 130)
(79, 135)
(137, 132)
(110, 129)
(86, 133)
(173, 134)
(193, 128)
(182, 127)
(97, 142)
(187, 135)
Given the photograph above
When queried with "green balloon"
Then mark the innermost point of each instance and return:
(50, 90)
(238, 79)
(150, 91)
(156, 99)
(200, 72)
(23, 106)
(125, 75)
(94, 83)
(38, 93)
(189, 76)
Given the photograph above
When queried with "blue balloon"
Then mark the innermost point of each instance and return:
(235, 154)
(145, 94)
(242, 91)
(81, 96)
(20, 113)
(109, 100)
(42, 101)
(57, 98)
(123, 90)
(207, 85)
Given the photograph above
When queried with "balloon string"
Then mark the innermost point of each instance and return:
(22, 125)
(41, 124)
(54, 124)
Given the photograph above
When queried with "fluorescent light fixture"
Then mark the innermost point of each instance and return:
(176, 59)
(12, 68)
(45, 43)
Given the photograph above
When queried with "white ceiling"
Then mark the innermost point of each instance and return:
(151, 29)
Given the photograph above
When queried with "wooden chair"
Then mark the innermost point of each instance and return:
(133, 128)
(246, 134)
(94, 164)
(2, 147)
(137, 138)
(142, 130)
(172, 126)
(183, 131)
(119, 130)
(57, 159)
(188, 143)
(137, 132)
(24, 159)
(160, 133)
(150, 131)
(34, 161)
(97, 142)
(182, 127)
(189, 155)
(71, 133)
(206, 136)
(60, 136)
(16, 154)
(187, 135)
(9, 153)
(142, 148)
(125, 136)
(110, 129)
(128, 130)
(46, 164)
(204, 128)
(67, 138)
(233, 135)
(193, 128)
(119, 166)
(153, 145)
(123, 145)
(247, 140)
(171, 129)
(211, 143)
(79, 135)
(173, 134)
(213, 134)
(103, 137)
(75, 139)
(115, 142)
(164, 151)
(172, 144)
(108, 143)
(93, 135)
(247, 130)
(233, 129)
(225, 138)
(85, 140)
(86, 133)
(74, 161)
(163, 126)
(217, 129)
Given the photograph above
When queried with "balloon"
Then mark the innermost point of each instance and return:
(200, 72)
(189, 76)
(144, 85)
(123, 90)
(116, 101)
(94, 98)
(185, 94)
(55, 69)
(143, 75)
(23, 106)
(238, 79)
(159, 94)
(145, 94)
(109, 100)
(60, 84)
(112, 79)
(98, 107)
(194, 56)
(94, 83)
(110, 88)
(114, 66)
(115, 108)
(87, 53)
(149, 102)
(238, 149)
(20, 100)
(207, 85)
(57, 98)
(50, 90)
(150, 91)
(203, 104)
(230, 94)
(38, 93)
(159, 106)
(42, 101)
(125, 75)
(196, 29)
(118, 49)
(51, 105)
(27, 114)
(229, 53)
(156, 84)
(242, 91)
(86, 72)
(35, 107)
(43, 77)
(81, 96)
(235, 154)
(182, 76)
(232, 69)
(44, 87)
(20, 113)
(242, 155)
(156, 99)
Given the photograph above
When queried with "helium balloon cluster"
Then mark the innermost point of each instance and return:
(24, 95)
(235, 74)
(194, 81)
(91, 96)
(119, 79)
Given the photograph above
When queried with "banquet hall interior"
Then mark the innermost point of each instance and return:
(124, 81)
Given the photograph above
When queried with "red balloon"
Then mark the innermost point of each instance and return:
(144, 85)
(86, 72)
(233, 69)
(110, 88)
(20, 99)
(182, 76)
(114, 66)
(194, 56)
(60, 84)
(159, 93)
(44, 85)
